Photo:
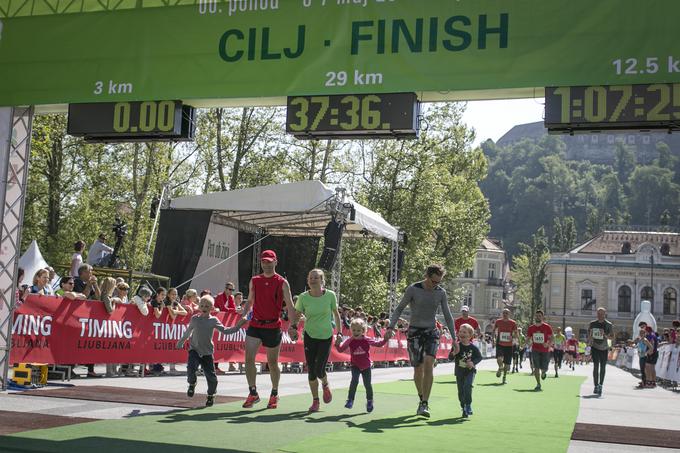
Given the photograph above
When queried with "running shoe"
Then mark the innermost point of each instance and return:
(465, 414)
(252, 399)
(537, 388)
(468, 409)
(543, 375)
(557, 375)
(498, 373)
(327, 395)
(273, 402)
(315, 406)
(349, 404)
(599, 390)
(191, 389)
(210, 401)
(423, 410)
(369, 406)
(505, 381)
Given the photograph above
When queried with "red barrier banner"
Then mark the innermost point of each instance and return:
(53, 330)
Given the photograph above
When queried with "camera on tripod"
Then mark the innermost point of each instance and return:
(119, 228)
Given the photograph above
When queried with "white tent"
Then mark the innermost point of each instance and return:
(296, 209)
(31, 261)
(293, 209)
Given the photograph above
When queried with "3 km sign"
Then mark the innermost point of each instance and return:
(260, 51)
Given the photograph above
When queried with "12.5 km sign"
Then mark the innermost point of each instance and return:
(259, 51)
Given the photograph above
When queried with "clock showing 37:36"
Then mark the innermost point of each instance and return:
(353, 115)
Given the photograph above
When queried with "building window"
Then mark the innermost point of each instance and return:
(587, 300)
(631, 139)
(469, 274)
(593, 139)
(495, 300)
(610, 139)
(670, 301)
(467, 298)
(624, 299)
(665, 249)
(492, 270)
(645, 139)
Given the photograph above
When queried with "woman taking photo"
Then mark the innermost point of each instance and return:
(318, 305)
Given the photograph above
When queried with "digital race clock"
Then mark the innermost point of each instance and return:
(624, 107)
(393, 115)
(131, 121)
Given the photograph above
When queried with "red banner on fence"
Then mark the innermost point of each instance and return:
(53, 330)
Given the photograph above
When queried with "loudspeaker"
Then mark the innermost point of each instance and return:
(332, 239)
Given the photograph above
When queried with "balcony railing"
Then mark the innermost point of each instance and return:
(494, 281)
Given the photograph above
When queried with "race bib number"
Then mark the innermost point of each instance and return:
(505, 336)
(598, 334)
(538, 337)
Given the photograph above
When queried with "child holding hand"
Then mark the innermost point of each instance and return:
(466, 360)
(359, 346)
(201, 347)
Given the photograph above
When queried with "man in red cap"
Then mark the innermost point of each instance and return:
(267, 293)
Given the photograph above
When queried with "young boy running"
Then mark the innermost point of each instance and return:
(201, 346)
(466, 359)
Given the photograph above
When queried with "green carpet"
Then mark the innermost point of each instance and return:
(508, 418)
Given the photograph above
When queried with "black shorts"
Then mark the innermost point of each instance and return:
(271, 338)
(422, 342)
(505, 352)
(540, 360)
(652, 359)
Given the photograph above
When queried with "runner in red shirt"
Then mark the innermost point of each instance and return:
(505, 331)
(572, 351)
(464, 318)
(267, 294)
(539, 336)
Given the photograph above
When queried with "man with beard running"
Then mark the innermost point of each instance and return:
(599, 332)
(539, 337)
(424, 299)
(505, 331)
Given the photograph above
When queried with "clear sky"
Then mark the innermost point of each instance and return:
(492, 119)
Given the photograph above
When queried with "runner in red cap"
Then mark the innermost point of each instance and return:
(267, 294)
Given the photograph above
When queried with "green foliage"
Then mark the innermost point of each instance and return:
(528, 272)
(531, 183)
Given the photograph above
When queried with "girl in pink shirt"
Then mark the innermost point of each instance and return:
(359, 347)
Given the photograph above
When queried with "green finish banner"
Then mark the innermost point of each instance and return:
(259, 51)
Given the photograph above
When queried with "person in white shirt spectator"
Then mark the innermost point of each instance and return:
(142, 300)
(77, 258)
(99, 251)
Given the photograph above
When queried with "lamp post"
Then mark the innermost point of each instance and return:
(564, 290)
(651, 261)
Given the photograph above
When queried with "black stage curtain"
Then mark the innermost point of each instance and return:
(179, 244)
(296, 257)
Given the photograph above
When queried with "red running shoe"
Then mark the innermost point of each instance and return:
(273, 402)
(252, 399)
(327, 395)
(315, 406)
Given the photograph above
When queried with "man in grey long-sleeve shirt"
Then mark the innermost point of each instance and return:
(201, 347)
(424, 299)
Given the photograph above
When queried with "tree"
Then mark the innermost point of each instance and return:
(529, 272)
